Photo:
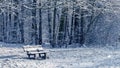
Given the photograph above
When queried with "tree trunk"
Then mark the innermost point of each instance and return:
(34, 24)
(49, 24)
(21, 25)
(54, 24)
(40, 24)
(82, 36)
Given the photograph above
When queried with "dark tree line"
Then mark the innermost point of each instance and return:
(58, 22)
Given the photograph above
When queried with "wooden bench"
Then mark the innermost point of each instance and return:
(33, 51)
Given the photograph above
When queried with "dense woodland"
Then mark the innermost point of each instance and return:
(60, 22)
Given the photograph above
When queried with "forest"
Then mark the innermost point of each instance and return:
(60, 23)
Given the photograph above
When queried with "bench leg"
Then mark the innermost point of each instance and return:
(34, 56)
(29, 56)
(42, 55)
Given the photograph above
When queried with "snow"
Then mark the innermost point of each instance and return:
(14, 57)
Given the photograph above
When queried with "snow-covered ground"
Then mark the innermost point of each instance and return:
(14, 57)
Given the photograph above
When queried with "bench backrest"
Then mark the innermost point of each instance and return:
(33, 48)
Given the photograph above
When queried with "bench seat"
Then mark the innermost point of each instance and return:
(37, 52)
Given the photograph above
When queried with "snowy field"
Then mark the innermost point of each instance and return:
(15, 57)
